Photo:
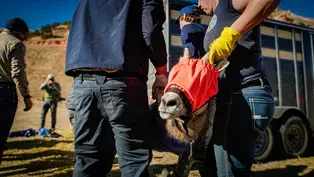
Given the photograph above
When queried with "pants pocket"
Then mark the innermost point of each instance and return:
(262, 113)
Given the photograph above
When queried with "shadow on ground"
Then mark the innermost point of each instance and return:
(41, 163)
(44, 163)
(41, 157)
(34, 143)
(289, 171)
(66, 155)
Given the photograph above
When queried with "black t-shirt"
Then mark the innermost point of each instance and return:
(246, 62)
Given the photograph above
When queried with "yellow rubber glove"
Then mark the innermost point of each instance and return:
(222, 47)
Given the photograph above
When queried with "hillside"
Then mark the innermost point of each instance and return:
(289, 17)
(41, 61)
(46, 59)
(57, 33)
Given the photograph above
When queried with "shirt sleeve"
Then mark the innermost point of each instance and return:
(192, 38)
(18, 68)
(187, 40)
(153, 18)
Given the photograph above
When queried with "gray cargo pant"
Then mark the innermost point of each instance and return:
(71, 107)
(111, 113)
(52, 104)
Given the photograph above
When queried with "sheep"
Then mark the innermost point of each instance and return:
(184, 123)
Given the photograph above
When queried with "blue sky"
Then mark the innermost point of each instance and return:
(41, 12)
(37, 13)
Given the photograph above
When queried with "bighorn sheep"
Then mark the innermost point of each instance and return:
(185, 117)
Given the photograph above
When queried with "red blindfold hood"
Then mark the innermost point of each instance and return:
(197, 79)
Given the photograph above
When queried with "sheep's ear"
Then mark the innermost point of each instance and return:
(186, 54)
(205, 57)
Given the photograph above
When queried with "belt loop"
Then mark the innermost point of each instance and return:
(81, 78)
(262, 82)
(100, 79)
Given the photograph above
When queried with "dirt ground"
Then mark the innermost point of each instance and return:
(42, 60)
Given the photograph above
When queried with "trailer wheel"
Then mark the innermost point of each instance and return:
(264, 145)
(294, 136)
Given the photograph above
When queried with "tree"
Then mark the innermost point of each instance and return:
(67, 23)
(55, 24)
(45, 32)
(46, 29)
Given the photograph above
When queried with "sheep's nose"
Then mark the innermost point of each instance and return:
(171, 102)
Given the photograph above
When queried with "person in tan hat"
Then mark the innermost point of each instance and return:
(51, 98)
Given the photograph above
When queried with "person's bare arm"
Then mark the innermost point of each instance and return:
(43, 86)
(254, 13)
(56, 86)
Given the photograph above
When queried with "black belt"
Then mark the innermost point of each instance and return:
(90, 75)
(257, 82)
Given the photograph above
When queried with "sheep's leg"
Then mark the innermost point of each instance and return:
(184, 165)
(183, 168)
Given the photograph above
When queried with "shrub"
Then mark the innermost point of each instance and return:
(45, 36)
(33, 33)
(67, 23)
(303, 24)
(55, 24)
(46, 29)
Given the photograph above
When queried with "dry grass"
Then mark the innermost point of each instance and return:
(36, 156)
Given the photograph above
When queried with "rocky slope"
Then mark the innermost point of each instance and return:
(289, 17)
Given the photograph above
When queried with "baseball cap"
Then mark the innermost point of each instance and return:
(17, 24)
(50, 76)
(189, 10)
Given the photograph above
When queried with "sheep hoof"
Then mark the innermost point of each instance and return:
(165, 173)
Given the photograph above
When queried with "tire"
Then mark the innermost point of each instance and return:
(264, 145)
(294, 137)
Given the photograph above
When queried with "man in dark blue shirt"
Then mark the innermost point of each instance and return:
(109, 47)
(192, 32)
